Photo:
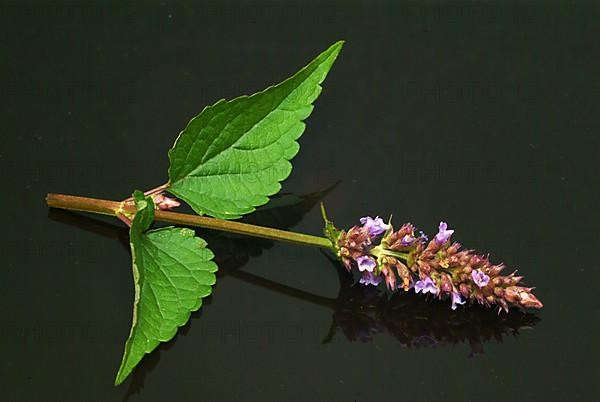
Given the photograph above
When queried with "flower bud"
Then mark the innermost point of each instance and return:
(465, 290)
(390, 277)
(526, 298)
(404, 273)
(511, 295)
(163, 202)
(446, 284)
(495, 270)
(453, 248)
(425, 268)
(476, 260)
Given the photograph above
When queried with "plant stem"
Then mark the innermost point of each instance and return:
(113, 208)
(378, 251)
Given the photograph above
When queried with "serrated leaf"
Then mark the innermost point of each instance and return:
(232, 156)
(172, 272)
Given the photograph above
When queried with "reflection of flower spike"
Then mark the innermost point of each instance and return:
(361, 312)
(438, 267)
(369, 279)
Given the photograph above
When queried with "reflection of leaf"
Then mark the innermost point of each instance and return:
(172, 272)
(233, 155)
(285, 210)
(232, 251)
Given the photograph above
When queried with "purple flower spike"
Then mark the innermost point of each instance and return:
(366, 263)
(456, 299)
(369, 279)
(480, 278)
(375, 226)
(443, 233)
(426, 286)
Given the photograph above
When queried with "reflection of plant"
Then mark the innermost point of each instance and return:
(232, 251)
(364, 311)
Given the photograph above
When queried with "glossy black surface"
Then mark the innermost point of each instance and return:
(485, 117)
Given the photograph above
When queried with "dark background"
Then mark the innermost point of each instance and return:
(484, 114)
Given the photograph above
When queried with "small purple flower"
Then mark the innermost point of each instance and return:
(426, 286)
(480, 278)
(368, 278)
(456, 299)
(374, 226)
(407, 240)
(443, 233)
(366, 263)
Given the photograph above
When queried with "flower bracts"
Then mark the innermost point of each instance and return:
(406, 260)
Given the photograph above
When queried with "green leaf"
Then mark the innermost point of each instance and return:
(172, 272)
(232, 156)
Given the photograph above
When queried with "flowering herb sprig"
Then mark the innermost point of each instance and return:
(228, 161)
(407, 261)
